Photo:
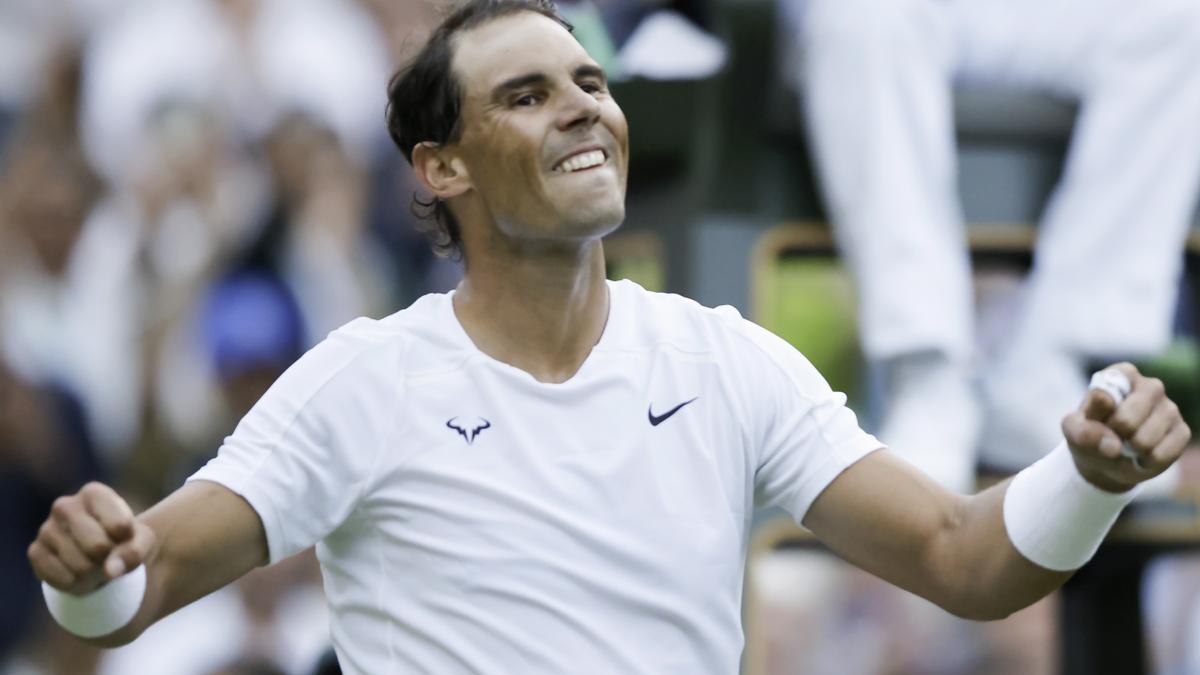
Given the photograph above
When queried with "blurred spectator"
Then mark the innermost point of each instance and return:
(244, 332)
(312, 237)
(326, 253)
(67, 294)
(34, 33)
(877, 83)
(252, 61)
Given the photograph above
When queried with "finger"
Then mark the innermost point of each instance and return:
(1091, 436)
(77, 523)
(109, 509)
(48, 568)
(64, 548)
(1171, 447)
(1116, 382)
(1098, 405)
(130, 554)
(1127, 369)
(1156, 426)
(1146, 395)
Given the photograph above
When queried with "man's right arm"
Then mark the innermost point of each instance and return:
(200, 538)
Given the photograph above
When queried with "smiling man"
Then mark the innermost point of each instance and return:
(547, 472)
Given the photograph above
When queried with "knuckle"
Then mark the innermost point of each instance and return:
(1172, 408)
(62, 507)
(92, 489)
(94, 549)
(77, 566)
(1155, 386)
(1123, 426)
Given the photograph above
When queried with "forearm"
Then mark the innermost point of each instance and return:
(951, 550)
(1043, 524)
(983, 576)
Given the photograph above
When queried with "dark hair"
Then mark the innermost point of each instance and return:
(425, 102)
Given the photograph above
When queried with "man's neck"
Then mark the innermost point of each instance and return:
(541, 313)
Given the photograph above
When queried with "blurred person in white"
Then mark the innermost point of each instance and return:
(877, 81)
(68, 299)
(167, 83)
(33, 32)
(251, 61)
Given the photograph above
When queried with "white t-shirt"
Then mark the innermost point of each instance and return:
(469, 518)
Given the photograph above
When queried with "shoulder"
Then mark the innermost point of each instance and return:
(654, 318)
(721, 333)
(368, 357)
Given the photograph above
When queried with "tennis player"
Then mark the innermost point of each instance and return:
(547, 472)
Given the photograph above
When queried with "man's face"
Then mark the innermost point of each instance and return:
(545, 145)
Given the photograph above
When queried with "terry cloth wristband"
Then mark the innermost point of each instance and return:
(1054, 517)
(104, 610)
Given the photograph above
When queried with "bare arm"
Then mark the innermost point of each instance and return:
(883, 515)
(200, 538)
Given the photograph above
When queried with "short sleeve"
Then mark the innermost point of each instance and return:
(304, 455)
(806, 435)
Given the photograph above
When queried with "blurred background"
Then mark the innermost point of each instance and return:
(937, 201)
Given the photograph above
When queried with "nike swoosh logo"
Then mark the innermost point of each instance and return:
(656, 420)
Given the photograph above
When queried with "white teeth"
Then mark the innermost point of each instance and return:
(584, 160)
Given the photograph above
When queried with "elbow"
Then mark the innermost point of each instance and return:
(975, 603)
(979, 611)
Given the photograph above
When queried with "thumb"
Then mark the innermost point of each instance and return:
(1098, 405)
(130, 553)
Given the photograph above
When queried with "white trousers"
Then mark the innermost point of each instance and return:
(878, 77)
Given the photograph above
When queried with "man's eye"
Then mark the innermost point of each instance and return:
(525, 100)
(591, 87)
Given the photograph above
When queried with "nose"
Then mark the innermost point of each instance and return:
(579, 109)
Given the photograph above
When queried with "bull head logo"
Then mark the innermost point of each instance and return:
(469, 431)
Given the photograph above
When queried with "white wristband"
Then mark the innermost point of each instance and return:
(104, 610)
(1054, 517)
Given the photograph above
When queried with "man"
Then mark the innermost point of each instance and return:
(545, 472)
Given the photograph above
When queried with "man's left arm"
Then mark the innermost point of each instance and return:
(885, 516)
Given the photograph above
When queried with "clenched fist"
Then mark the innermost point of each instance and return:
(89, 539)
(1118, 446)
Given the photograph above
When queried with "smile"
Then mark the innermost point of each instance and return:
(580, 162)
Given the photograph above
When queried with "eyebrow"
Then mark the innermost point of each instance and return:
(522, 81)
(591, 70)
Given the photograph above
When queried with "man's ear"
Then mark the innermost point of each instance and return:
(440, 171)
